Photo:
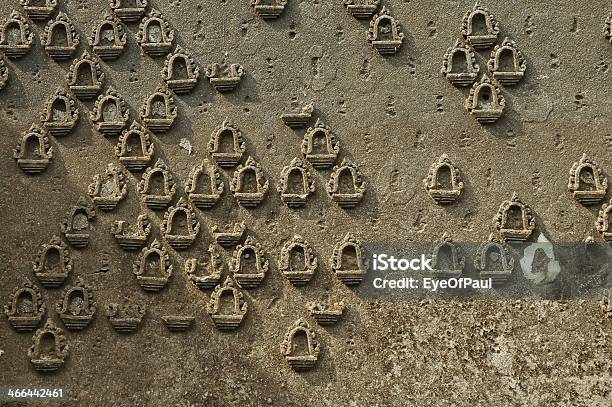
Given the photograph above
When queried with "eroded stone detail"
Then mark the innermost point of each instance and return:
(361, 8)
(48, 360)
(60, 52)
(300, 359)
(326, 313)
(155, 35)
(250, 194)
(485, 101)
(37, 11)
(153, 268)
(604, 221)
(346, 196)
(224, 319)
(125, 319)
(514, 220)
(224, 77)
(205, 275)
(494, 260)
(89, 88)
(507, 72)
(76, 224)
(207, 174)
(180, 226)
(231, 237)
(77, 306)
(132, 240)
(480, 27)
(152, 197)
(60, 113)
(443, 182)
(109, 189)
(226, 159)
(178, 323)
(129, 13)
(347, 260)
(587, 182)
(180, 82)
(446, 258)
(53, 263)
(385, 33)
(108, 38)
(460, 65)
(249, 264)
(608, 28)
(33, 159)
(297, 261)
(26, 307)
(4, 72)
(269, 9)
(135, 156)
(11, 46)
(159, 110)
(110, 113)
(296, 183)
(298, 119)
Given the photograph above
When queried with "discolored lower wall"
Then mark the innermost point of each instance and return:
(393, 116)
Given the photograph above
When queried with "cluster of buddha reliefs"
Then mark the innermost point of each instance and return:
(76, 224)
(53, 263)
(49, 349)
(110, 114)
(361, 8)
(587, 182)
(26, 308)
(62, 27)
(77, 306)
(155, 35)
(152, 267)
(60, 113)
(33, 152)
(109, 189)
(129, 240)
(227, 306)
(300, 356)
(385, 33)
(125, 319)
(268, 9)
(39, 10)
(443, 182)
(108, 39)
(514, 220)
(135, 149)
(16, 39)
(297, 261)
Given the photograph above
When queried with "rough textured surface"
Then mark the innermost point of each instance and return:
(393, 116)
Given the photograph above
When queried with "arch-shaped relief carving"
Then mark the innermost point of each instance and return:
(109, 189)
(361, 8)
(37, 11)
(604, 221)
(159, 110)
(77, 306)
(76, 223)
(226, 159)
(110, 113)
(587, 181)
(230, 237)
(494, 260)
(249, 275)
(514, 220)
(307, 360)
(26, 307)
(269, 9)
(180, 82)
(325, 313)
(480, 27)
(446, 258)
(297, 250)
(4, 72)
(48, 360)
(224, 320)
(60, 113)
(60, 51)
(205, 275)
(224, 77)
(129, 13)
(154, 199)
(385, 33)
(132, 240)
(125, 319)
(9, 45)
(298, 119)
(108, 38)
(88, 89)
(347, 260)
(201, 198)
(238, 186)
(485, 101)
(37, 160)
(135, 157)
(460, 65)
(507, 75)
(320, 156)
(295, 192)
(171, 229)
(352, 197)
(156, 257)
(443, 191)
(155, 35)
(53, 263)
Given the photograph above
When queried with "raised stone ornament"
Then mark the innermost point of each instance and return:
(514, 220)
(460, 65)
(204, 185)
(60, 39)
(297, 261)
(132, 240)
(226, 145)
(39, 10)
(77, 306)
(347, 260)
(604, 221)
(153, 268)
(231, 237)
(296, 184)
(608, 29)
(178, 323)
(85, 77)
(205, 275)
(493, 260)
(180, 226)
(304, 357)
(346, 185)
(76, 223)
(446, 258)
(385, 33)
(159, 110)
(125, 319)
(16, 39)
(155, 35)
(26, 308)
(129, 11)
(361, 8)
(110, 113)
(108, 38)
(507, 63)
(326, 314)
(485, 101)
(298, 119)
(180, 71)
(224, 77)
(49, 349)
(134, 148)
(4, 72)
(443, 182)
(157, 187)
(269, 9)
(227, 316)
(60, 113)
(249, 264)
(587, 182)
(109, 189)
(249, 184)
(479, 27)
(53, 263)
(33, 152)
(319, 146)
